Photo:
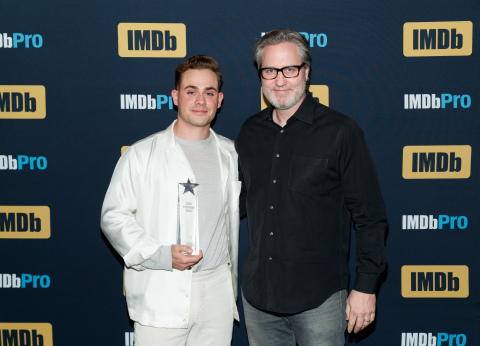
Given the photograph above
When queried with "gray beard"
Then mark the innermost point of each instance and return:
(295, 100)
(288, 105)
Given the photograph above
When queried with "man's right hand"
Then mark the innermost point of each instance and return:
(181, 261)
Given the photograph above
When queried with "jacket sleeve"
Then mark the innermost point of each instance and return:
(365, 203)
(118, 220)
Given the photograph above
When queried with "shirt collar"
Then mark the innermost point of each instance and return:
(303, 113)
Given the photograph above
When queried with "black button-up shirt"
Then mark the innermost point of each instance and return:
(303, 184)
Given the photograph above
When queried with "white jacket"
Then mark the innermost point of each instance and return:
(139, 214)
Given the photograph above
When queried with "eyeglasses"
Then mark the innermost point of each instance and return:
(287, 71)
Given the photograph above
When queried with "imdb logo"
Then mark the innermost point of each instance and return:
(435, 281)
(152, 40)
(437, 162)
(28, 334)
(24, 222)
(437, 39)
(22, 102)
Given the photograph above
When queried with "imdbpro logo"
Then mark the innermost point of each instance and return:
(22, 102)
(437, 39)
(437, 162)
(20, 40)
(139, 101)
(319, 92)
(433, 339)
(446, 222)
(152, 40)
(26, 334)
(315, 40)
(435, 282)
(24, 222)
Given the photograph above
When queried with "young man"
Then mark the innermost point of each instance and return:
(182, 179)
(306, 172)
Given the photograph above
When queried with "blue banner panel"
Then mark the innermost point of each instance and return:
(79, 81)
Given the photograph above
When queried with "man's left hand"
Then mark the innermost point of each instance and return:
(360, 310)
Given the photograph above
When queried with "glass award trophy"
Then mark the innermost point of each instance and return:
(187, 217)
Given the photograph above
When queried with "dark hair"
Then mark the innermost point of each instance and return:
(279, 36)
(198, 62)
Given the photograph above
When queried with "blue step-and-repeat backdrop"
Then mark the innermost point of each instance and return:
(79, 80)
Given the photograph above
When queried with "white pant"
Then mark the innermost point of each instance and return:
(210, 321)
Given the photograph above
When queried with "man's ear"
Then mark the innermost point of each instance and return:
(220, 99)
(307, 71)
(175, 97)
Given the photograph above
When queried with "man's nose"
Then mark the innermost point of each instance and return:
(280, 80)
(200, 99)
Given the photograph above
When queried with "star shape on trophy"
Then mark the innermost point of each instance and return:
(189, 187)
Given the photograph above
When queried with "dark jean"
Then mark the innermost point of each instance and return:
(322, 326)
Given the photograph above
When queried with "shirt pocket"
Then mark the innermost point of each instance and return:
(307, 174)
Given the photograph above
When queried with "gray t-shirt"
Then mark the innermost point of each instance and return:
(203, 158)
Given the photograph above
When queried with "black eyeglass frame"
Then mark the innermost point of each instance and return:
(279, 70)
